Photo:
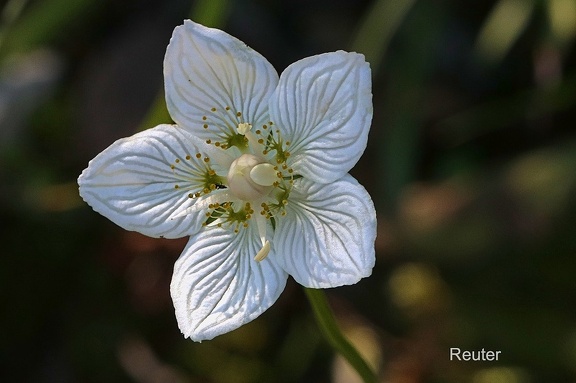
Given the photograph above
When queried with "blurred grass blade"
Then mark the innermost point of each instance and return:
(502, 28)
(46, 21)
(157, 114)
(378, 28)
(212, 13)
(502, 112)
(407, 72)
(10, 13)
(562, 15)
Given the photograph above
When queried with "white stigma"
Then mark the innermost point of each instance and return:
(241, 182)
(263, 253)
(264, 174)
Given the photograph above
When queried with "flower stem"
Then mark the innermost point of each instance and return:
(327, 323)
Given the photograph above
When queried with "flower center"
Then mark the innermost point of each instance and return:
(251, 178)
(260, 177)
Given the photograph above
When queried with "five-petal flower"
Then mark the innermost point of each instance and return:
(255, 171)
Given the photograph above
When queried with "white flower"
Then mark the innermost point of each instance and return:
(255, 171)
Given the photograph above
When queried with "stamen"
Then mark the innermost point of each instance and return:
(244, 127)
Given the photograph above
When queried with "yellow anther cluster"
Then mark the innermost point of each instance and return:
(224, 215)
(270, 174)
(223, 125)
(193, 171)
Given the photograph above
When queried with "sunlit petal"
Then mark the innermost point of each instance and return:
(207, 70)
(323, 106)
(143, 182)
(217, 285)
(327, 237)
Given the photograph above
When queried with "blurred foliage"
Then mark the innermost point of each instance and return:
(471, 164)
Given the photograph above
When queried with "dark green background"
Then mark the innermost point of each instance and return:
(470, 162)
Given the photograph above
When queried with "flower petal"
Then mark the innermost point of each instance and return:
(327, 237)
(142, 183)
(217, 286)
(206, 68)
(323, 106)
